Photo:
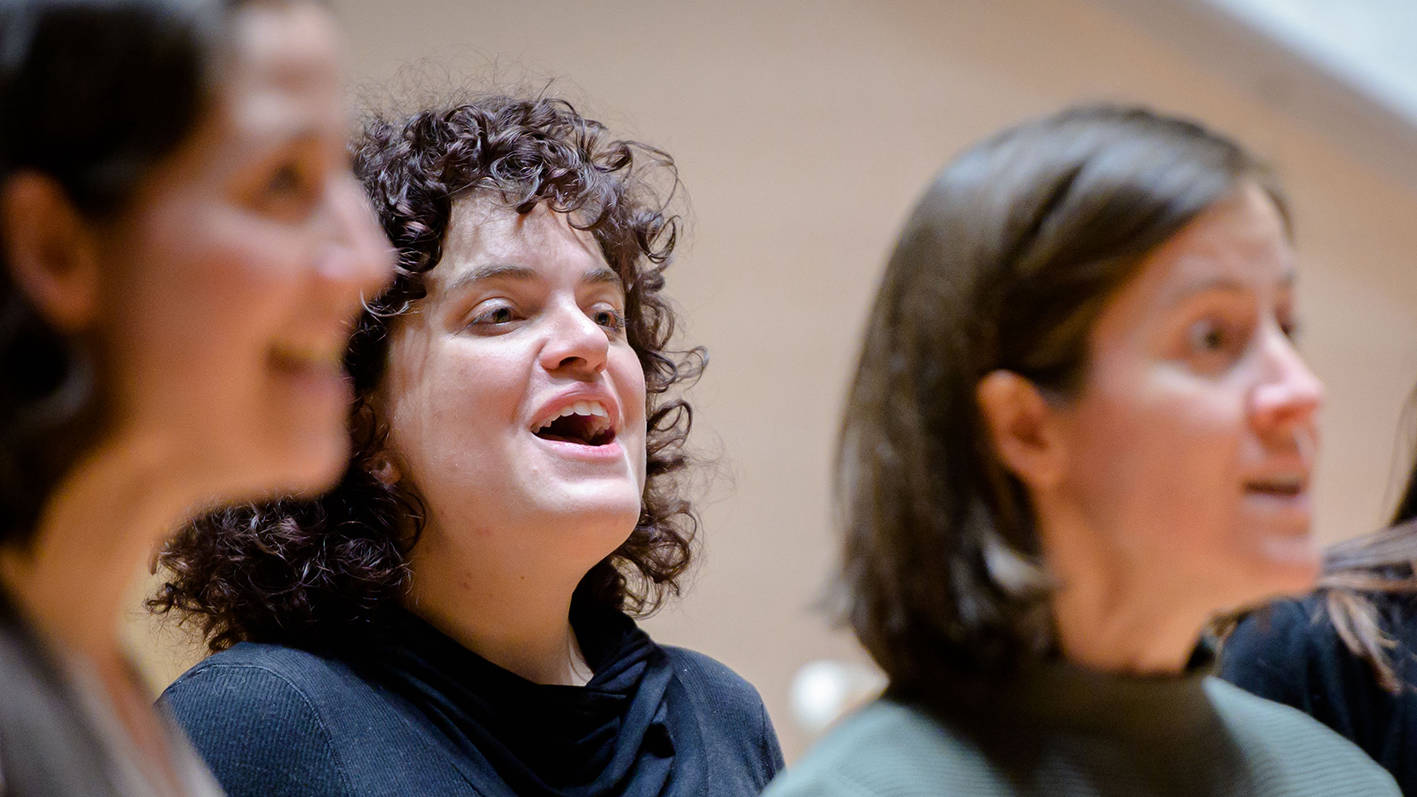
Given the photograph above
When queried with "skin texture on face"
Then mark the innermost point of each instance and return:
(523, 319)
(230, 282)
(1180, 485)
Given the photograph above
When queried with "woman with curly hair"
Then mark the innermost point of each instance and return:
(182, 252)
(1079, 428)
(451, 618)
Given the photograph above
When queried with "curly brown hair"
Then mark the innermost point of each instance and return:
(325, 572)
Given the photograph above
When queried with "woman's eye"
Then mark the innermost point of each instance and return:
(1207, 337)
(288, 191)
(610, 319)
(284, 180)
(1213, 344)
(501, 314)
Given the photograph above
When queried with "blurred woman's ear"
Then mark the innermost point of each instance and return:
(1022, 428)
(47, 248)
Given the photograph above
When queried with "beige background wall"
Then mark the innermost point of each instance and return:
(803, 131)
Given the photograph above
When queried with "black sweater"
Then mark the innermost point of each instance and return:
(1290, 653)
(428, 717)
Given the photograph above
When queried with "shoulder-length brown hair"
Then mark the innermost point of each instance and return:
(323, 573)
(1004, 264)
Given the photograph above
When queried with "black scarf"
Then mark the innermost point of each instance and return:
(629, 731)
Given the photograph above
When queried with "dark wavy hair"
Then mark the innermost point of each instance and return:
(1005, 263)
(325, 572)
(93, 94)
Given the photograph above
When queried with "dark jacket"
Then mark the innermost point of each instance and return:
(273, 720)
(1290, 653)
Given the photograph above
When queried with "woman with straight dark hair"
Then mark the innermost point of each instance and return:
(182, 249)
(1078, 429)
(455, 616)
(1347, 654)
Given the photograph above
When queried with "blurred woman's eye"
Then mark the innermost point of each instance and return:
(288, 190)
(1207, 336)
(1212, 344)
(285, 180)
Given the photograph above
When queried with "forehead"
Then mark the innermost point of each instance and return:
(1242, 237)
(484, 233)
(1240, 243)
(282, 77)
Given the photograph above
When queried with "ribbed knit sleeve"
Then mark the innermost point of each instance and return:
(259, 733)
(1254, 748)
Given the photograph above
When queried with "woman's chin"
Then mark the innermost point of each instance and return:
(1285, 567)
(599, 502)
(595, 528)
(319, 465)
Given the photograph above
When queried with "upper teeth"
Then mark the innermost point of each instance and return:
(593, 408)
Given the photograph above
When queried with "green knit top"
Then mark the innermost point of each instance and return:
(1068, 731)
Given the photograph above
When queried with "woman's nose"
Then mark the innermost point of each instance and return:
(357, 253)
(574, 341)
(1291, 394)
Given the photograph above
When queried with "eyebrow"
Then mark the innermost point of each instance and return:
(1286, 280)
(596, 275)
(490, 272)
(287, 128)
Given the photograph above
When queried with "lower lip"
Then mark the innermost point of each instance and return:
(610, 452)
(1292, 506)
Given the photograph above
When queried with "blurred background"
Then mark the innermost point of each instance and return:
(804, 131)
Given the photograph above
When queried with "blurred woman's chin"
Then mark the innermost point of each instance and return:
(1287, 566)
(318, 464)
(306, 462)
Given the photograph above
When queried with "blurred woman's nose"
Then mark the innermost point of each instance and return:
(357, 253)
(1290, 394)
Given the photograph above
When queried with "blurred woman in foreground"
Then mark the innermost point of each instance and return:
(1078, 429)
(183, 249)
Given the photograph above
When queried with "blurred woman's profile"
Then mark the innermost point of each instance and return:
(184, 248)
(1079, 428)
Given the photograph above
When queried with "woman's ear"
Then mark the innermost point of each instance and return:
(1022, 428)
(48, 251)
(385, 470)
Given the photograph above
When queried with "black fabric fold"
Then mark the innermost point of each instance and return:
(618, 734)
